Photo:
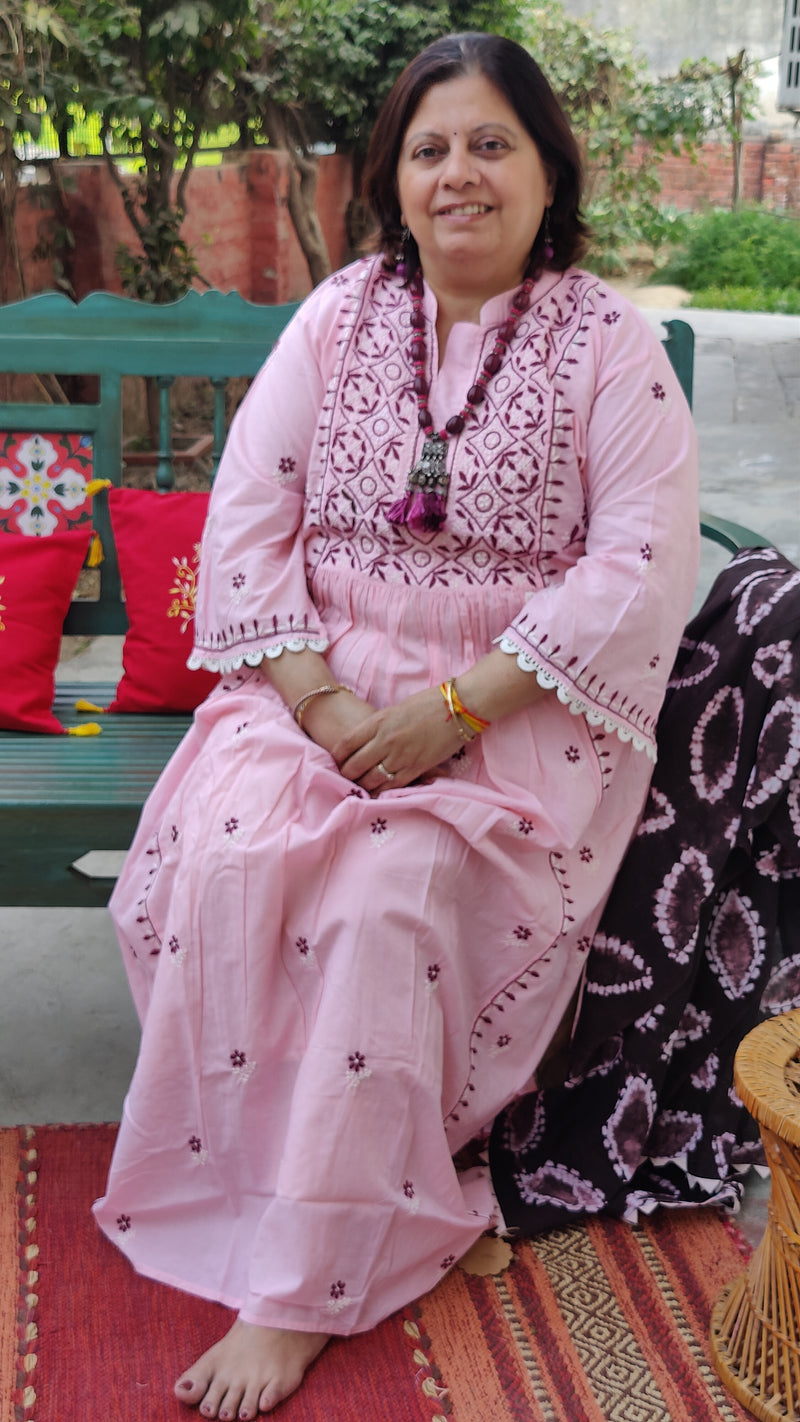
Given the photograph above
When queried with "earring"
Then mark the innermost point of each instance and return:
(547, 248)
(401, 263)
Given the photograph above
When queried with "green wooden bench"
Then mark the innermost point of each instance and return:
(62, 797)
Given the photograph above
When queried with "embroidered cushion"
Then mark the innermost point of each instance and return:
(37, 580)
(158, 544)
(45, 482)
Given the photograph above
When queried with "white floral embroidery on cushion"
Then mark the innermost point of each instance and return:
(567, 697)
(210, 661)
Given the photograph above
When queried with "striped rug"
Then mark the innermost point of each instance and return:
(599, 1323)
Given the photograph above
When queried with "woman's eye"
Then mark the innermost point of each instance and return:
(427, 151)
(491, 145)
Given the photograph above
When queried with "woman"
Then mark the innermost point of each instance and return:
(453, 534)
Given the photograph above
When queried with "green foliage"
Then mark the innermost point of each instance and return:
(625, 120)
(785, 300)
(750, 248)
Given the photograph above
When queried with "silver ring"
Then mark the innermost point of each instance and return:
(388, 774)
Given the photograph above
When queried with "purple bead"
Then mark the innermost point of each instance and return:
(424, 418)
(455, 424)
(418, 351)
(420, 385)
(418, 320)
(476, 395)
(506, 332)
(492, 363)
(523, 301)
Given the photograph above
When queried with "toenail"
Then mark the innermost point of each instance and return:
(186, 1386)
(244, 1417)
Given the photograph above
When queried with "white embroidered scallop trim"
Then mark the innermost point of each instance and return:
(527, 663)
(209, 661)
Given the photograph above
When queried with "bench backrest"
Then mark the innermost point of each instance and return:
(209, 334)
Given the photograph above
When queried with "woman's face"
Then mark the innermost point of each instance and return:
(472, 187)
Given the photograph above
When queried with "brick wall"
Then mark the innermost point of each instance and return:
(239, 228)
(770, 174)
(237, 224)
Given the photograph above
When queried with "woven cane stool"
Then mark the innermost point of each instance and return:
(755, 1323)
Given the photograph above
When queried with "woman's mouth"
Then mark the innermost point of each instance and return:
(464, 209)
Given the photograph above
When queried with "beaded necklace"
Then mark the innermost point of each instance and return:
(423, 506)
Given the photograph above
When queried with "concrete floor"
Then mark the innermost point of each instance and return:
(68, 1032)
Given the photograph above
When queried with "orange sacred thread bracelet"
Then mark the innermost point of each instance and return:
(466, 721)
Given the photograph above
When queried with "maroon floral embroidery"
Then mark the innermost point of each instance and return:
(303, 947)
(584, 944)
(646, 553)
(448, 1262)
(379, 827)
(238, 580)
(287, 465)
(503, 1040)
(526, 826)
(459, 754)
(174, 944)
(611, 317)
(337, 1289)
(408, 1189)
(231, 826)
(659, 393)
(123, 1223)
(433, 972)
(238, 1059)
(195, 1145)
(174, 832)
(239, 729)
(654, 661)
(586, 854)
(522, 933)
(573, 754)
(356, 1062)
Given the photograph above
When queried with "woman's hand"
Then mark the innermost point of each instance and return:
(393, 747)
(327, 720)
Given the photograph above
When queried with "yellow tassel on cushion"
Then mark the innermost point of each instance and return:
(95, 557)
(95, 485)
(81, 705)
(90, 728)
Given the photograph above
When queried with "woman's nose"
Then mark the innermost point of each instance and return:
(459, 168)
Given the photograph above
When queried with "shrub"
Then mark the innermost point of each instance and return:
(749, 248)
(785, 300)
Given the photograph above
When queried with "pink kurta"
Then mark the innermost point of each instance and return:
(337, 992)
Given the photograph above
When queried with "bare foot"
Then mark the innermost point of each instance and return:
(249, 1371)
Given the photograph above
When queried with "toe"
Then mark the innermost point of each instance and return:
(190, 1388)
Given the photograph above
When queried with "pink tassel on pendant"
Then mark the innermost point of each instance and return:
(434, 513)
(398, 513)
(416, 512)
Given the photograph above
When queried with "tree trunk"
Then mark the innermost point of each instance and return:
(303, 177)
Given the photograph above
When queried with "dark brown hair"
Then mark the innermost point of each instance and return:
(517, 76)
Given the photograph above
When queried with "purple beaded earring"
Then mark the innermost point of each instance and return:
(547, 249)
(401, 265)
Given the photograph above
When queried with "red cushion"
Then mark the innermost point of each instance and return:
(158, 544)
(37, 580)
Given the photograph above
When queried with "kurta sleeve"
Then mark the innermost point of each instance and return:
(253, 599)
(605, 631)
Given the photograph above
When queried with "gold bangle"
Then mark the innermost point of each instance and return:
(447, 691)
(299, 707)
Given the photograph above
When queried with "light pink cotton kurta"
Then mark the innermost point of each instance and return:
(337, 992)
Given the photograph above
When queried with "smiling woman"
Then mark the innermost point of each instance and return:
(473, 192)
(450, 552)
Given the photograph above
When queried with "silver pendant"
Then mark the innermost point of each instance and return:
(429, 472)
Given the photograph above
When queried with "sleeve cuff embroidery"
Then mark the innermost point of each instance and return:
(211, 661)
(567, 697)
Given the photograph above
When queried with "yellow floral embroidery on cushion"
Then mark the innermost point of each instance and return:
(184, 589)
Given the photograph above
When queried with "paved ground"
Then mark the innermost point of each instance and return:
(68, 1034)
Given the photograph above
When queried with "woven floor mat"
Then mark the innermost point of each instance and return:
(599, 1323)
